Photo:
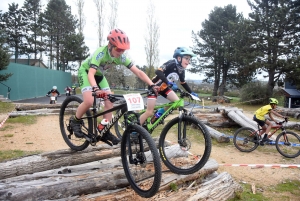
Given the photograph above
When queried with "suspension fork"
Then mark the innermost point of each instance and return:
(137, 159)
(181, 135)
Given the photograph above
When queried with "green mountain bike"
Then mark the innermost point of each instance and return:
(184, 143)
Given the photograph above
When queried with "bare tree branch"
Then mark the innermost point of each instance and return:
(81, 17)
(112, 18)
(151, 39)
(100, 5)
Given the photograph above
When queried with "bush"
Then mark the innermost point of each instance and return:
(254, 93)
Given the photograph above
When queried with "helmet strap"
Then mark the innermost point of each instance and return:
(110, 47)
(179, 60)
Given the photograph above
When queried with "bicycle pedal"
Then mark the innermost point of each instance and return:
(107, 142)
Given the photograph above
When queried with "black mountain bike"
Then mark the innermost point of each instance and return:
(184, 143)
(139, 154)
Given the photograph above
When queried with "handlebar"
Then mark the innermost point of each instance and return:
(285, 120)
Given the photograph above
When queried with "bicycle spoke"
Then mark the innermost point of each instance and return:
(68, 109)
(288, 144)
(189, 154)
(245, 139)
(141, 163)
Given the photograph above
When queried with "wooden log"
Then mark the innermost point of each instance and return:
(290, 112)
(83, 179)
(247, 119)
(24, 106)
(235, 117)
(56, 159)
(215, 119)
(214, 186)
(220, 137)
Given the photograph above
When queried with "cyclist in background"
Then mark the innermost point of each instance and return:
(259, 117)
(91, 78)
(53, 91)
(166, 76)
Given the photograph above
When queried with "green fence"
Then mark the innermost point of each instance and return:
(30, 81)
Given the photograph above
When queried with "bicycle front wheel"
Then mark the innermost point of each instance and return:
(141, 161)
(288, 144)
(246, 139)
(68, 109)
(189, 153)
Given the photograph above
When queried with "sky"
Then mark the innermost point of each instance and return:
(176, 20)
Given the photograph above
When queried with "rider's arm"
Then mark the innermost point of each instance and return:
(49, 92)
(186, 87)
(91, 77)
(277, 114)
(160, 74)
(57, 92)
(141, 75)
(271, 116)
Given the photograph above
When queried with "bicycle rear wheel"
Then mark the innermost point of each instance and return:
(192, 152)
(141, 161)
(288, 144)
(68, 109)
(246, 139)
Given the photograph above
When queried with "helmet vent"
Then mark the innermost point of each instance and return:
(120, 39)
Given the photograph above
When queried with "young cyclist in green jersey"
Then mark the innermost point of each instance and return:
(91, 77)
(259, 117)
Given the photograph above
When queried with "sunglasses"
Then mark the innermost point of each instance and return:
(118, 49)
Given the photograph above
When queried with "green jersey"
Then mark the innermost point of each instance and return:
(101, 60)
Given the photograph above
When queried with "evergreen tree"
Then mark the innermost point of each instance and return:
(275, 37)
(4, 57)
(59, 24)
(216, 44)
(14, 23)
(74, 50)
(32, 9)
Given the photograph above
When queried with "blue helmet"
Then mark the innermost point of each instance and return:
(181, 51)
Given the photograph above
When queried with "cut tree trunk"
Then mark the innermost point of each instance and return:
(215, 119)
(103, 175)
(24, 106)
(290, 112)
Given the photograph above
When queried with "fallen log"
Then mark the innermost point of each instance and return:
(108, 175)
(56, 159)
(25, 106)
(215, 119)
(238, 119)
(220, 137)
(290, 112)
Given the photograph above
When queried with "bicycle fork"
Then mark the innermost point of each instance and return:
(182, 140)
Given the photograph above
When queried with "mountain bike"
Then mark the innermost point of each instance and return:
(140, 158)
(287, 142)
(184, 143)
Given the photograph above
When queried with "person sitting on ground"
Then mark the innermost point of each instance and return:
(53, 92)
(91, 78)
(259, 117)
(166, 76)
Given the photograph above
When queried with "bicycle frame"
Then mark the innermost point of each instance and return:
(171, 107)
(274, 127)
(122, 110)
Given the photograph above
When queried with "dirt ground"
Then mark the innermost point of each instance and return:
(45, 136)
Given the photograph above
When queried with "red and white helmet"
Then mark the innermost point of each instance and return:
(118, 38)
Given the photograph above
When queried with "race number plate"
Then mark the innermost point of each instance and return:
(134, 102)
(52, 97)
